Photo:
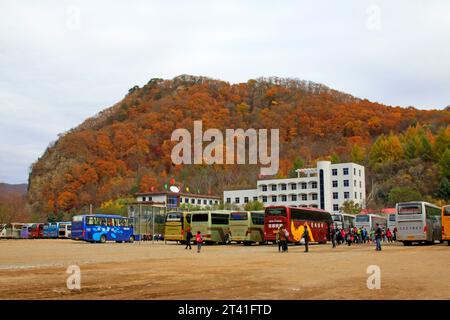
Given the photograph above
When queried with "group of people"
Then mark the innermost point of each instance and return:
(198, 240)
(282, 237)
(361, 235)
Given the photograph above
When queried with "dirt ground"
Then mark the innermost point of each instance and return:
(36, 269)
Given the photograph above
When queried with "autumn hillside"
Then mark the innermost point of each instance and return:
(127, 147)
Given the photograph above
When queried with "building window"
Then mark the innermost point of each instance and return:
(346, 195)
(335, 207)
(264, 188)
(335, 195)
(205, 202)
(210, 202)
(255, 198)
(283, 186)
(264, 198)
(314, 196)
(314, 206)
(354, 171)
(193, 201)
(356, 195)
(274, 198)
(360, 195)
(354, 183)
(346, 183)
(314, 185)
(144, 199)
(294, 197)
(304, 185)
(274, 187)
(228, 200)
(293, 186)
(304, 197)
(334, 172)
(335, 183)
(245, 199)
(360, 172)
(236, 200)
(186, 200)
(216, 202)
(345, 171)
(199, 201)
(283, 198)
(360, 184)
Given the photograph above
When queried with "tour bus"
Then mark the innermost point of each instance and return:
(176, 226)
(247, 227)
(293, 219)
(102, 228)
(51, 230)
(26, 230)
(214, 225)
(11, 231)
(343, 220)
(418, 221)
(369, 221)
(446, 223)
(391, 224)
(65, 230)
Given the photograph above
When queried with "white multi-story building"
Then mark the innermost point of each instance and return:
(174, 200)
(327, 187)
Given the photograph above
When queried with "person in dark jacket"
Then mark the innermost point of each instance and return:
(333, 236)
(188, 239)
(306, 237)
(378, 237)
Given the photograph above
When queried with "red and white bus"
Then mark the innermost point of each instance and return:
(294, 219)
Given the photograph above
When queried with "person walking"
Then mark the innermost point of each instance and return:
(285, 238)
(389, 235)
(199, 240)
(188, 239)
(364, 235)
(306, 237)
(395, 233)
(333, 236)
(378, 237)
(279, 236)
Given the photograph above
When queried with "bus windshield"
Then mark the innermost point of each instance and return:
(239, 216)
(276, 212)
(392, 217)
(409, 209)
(336, 217)
(447, 211)
(363, 218)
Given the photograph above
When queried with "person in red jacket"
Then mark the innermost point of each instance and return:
(199, 240)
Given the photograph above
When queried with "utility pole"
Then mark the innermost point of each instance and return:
(90, 208)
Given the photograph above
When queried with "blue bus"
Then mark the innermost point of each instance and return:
(51, 230)
(102, 228)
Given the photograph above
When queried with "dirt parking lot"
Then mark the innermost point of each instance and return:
(36, 269)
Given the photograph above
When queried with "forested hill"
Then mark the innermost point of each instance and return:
(127, 147)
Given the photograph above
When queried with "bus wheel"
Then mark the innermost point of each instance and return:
(406, 243)
(247, 243)
(448, 242)
(102, 238)
(131, 240)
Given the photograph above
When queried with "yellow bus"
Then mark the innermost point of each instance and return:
(247, 227)
(176, 226)
(214, 225)
(446, 224)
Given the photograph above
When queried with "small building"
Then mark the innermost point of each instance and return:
(327, 186)
(174, 200)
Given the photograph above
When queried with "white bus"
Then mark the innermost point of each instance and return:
(418, 222)
(343, 220)
(369, 221)
(391, 223)
(11, 231)
(65, 230)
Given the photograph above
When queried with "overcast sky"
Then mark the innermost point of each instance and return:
(61, 62)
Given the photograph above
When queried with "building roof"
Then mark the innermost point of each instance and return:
(184, 194)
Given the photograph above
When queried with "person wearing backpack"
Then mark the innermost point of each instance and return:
(306, 237)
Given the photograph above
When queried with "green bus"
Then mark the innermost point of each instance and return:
(214, 225)
(247, 227)
(176, 226)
